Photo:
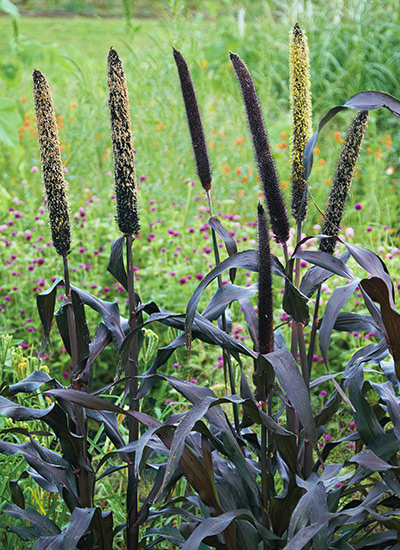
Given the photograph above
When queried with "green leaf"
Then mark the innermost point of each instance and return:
(8, 7)
(17, 495)
(10, 120)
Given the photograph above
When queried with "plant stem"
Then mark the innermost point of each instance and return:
(313, 334)
(131, 373)
(225, 354)
(70, 315)
(264, 464)
(298, 342)
(85, 492)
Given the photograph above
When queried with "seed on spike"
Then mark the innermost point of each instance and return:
(52, 168)
(194, 120)
(300, 100)
(266, 166)
(123, 152)
(342, 180)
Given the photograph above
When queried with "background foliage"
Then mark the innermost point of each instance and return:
(352, 49)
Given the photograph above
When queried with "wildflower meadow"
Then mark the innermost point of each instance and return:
(199, 255)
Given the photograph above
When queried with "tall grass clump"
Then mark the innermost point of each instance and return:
(266, 466)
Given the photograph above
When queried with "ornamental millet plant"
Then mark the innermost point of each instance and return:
(58, 209)
(55, 188)
(128, 223)
(204, 172)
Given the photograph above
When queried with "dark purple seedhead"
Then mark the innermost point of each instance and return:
(266, 166)
(194, 120)
(123, 152)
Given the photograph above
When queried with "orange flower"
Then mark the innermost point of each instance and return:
(322, 162)
(283, 135)
(223, 136)
(356, 175)
(238, 170)
(204, 64)
(159, 127)
(369, 150)
(23, 99)
(73, 105)
(317, 151)
(244, 179)
(213, 131)
(282, 145)
(154, 144)
(241, 193)
(328, 181)
(226, 169)
(239, 140)
(212, 144)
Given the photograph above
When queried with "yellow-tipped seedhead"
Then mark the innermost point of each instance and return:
(300, 100)
(123, 153)
(52, 168)
(345, 169)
